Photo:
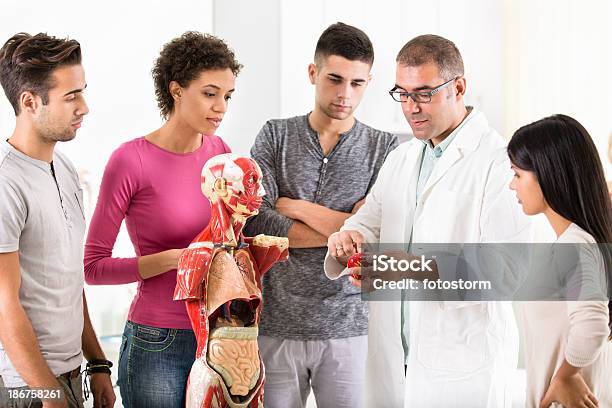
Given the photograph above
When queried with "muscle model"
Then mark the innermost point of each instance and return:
(219, 277)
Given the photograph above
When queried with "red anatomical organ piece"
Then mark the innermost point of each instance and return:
(355, 262)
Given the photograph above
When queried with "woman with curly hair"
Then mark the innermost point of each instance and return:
(568, 355)
(153, 182)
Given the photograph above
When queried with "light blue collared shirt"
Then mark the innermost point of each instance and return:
(430, 156)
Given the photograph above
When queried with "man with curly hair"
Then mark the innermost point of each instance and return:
(45, 328)
(317, 168)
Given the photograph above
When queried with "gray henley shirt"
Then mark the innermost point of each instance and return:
(300, 302)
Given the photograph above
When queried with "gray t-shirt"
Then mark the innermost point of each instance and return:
(41, 216)
(300, 302)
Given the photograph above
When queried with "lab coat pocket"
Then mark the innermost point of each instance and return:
(453, 339)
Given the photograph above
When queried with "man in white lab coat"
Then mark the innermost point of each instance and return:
(448, 185)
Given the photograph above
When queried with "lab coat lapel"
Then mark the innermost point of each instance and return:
(413, 166)
(448, 159)
(467, 139)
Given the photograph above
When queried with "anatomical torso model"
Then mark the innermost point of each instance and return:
(219, 277)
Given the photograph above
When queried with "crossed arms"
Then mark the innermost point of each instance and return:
(312, 223)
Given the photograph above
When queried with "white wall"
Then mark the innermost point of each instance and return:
(561, 62)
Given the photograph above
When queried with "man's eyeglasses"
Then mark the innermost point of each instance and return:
(399, 95)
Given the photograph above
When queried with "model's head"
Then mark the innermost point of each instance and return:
(194, 78)
(557, 166)
(341, 70)
(44, 81)
(236, 181)
(430, 85)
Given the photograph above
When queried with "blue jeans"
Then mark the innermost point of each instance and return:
(154, 364)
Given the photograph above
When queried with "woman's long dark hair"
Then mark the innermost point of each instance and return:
(561, 153)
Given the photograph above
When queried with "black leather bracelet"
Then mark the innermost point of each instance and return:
(99, 361)
(98, 370)
(96, 366)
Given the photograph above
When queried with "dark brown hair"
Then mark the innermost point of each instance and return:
(28, 61)
(345, 41)
(430, 48)
(561, 153)
(183, 59)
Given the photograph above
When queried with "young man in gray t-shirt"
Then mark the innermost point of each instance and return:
(45, 328)
(317, 169)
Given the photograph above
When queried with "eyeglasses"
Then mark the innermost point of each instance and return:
(400, 95)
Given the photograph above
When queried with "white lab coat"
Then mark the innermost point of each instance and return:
(462, 354)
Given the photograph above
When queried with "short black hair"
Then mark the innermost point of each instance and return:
(345, 41)
(431, 48)
(28, 61)
(183, 59)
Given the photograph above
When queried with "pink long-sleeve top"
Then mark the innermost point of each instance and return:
(158, 194)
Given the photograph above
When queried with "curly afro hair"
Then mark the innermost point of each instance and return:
(183, 59)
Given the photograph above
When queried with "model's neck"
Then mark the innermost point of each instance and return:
(29, 142)
(326, 126)
(232, 234)
(237, 222)
(225, 228)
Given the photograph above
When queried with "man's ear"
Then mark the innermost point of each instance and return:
(460, 86)
(220, 187)
(29, 102)
(312, 73)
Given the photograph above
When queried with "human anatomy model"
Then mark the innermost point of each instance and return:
(219, 277)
